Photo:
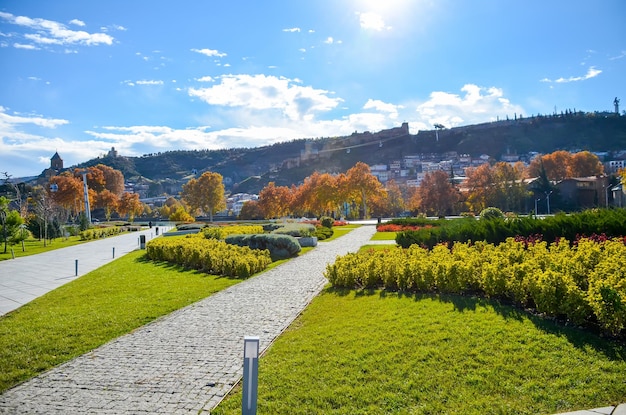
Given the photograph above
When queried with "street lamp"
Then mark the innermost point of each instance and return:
(536, 200)
(548, 200)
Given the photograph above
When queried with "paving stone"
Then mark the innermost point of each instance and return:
(188, 361)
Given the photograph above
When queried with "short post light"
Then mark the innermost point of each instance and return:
(250, 375)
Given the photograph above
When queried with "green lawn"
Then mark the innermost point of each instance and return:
(89, 311)
(35, 246)
(384, 236)
(375, 353)
(339, 231)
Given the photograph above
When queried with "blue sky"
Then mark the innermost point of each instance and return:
(80, 77)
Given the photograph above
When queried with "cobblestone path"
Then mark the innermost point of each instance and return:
(187, 361)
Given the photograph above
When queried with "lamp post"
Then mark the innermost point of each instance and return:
(536, 200)
(548, 200)
(86, 196)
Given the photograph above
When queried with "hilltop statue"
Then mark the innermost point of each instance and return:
(616, 103)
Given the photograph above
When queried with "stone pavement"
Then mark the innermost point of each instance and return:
(25, 278)
(188, 361)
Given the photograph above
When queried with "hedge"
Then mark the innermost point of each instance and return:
(98, 233)
(279, 246)
(209, 255)
(221, 232)
(584, 282)
(296, 229)
(611, 222)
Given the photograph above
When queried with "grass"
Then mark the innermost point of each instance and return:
(94, 309)
(384, 236)
(339, 231)
(379, 353)
(35, 246)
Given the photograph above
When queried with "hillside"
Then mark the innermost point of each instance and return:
(249, 169)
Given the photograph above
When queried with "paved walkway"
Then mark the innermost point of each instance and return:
(25, 278)
(187, 361)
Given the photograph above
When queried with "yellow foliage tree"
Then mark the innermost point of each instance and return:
(205, 194)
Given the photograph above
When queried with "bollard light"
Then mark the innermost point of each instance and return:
(76, 267)
(250, 375)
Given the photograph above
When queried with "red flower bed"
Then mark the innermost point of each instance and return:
(390, 227)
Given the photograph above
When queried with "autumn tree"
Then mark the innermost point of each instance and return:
(130, 205)
(361, 184)
(555, 165)
(585, 164)
(251, 210)
(69, 192)
(510, 191)
(170, 206)
(436, 195)
(389, 203)
(274, 201)
(205, 194)
(113, 179)
(479, 187)
(180, 215)
(108, 201)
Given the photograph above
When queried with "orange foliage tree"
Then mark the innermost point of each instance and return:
(69, 192)
(584, 164)
(108, 201)
(275, 201)
(130, 205)
(479, 187)
(361, 185)
(436, 195)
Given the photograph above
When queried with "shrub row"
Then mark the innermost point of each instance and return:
(323, 232)
(585, 284)
(209, 255)
(97, 233)
(221, 232)
(611, 222)
(279, 246)
(296, 229)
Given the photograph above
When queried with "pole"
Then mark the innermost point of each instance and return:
(250, 375)
(86, 197)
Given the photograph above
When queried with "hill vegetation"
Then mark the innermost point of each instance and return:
(250, 169)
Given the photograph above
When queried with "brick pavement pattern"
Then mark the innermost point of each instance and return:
(188, 361)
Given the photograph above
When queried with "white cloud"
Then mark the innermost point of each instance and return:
(329, 40)
(378, 105)
(77, 22)
(476, 105)
(210, 52)
(205, 79)
(267, 93)
(592, 72)
(49, 32)
(7, 121)
(23, 46)
(372, 21)
(292, 30)
(149, 82)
